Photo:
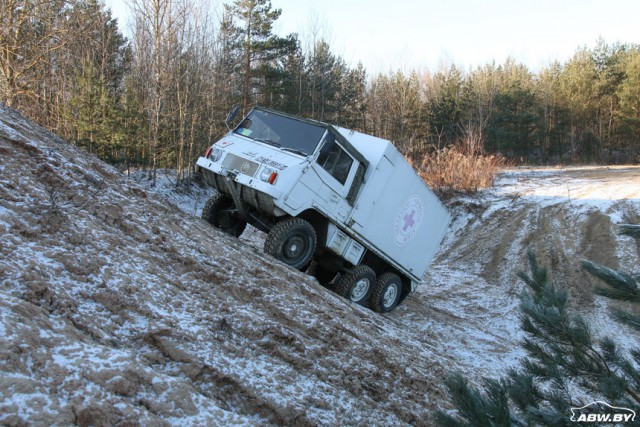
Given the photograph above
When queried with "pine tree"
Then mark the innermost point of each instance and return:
(444, 106)
(262, 50)
(100, 60)
(355, 86)
(627, 92)
(511, 127)
(489, 409)
(567, 367)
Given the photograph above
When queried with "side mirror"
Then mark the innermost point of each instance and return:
(232, 115)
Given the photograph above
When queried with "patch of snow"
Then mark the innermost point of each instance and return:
(9, 131)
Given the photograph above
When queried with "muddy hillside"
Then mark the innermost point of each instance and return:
(119, 308)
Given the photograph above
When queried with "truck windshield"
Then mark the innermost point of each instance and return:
(284, 132)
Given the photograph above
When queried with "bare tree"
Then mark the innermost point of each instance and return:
(157, 24)
(31, 31)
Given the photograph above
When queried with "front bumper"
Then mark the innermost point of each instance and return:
(250, 190)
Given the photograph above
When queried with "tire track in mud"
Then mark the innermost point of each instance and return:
(501, 236)
(472, 290)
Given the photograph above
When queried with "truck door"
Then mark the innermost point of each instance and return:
(335, 168)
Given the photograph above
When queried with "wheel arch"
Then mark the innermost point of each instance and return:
(319, 223)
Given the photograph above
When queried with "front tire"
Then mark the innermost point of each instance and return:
(221, 212)
(292, 241)
(386, 293)
(356, 286)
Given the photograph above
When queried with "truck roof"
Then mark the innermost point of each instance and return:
(371, 147)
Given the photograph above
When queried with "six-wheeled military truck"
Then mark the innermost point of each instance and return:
(342, 205)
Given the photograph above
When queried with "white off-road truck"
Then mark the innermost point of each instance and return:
(342, 205)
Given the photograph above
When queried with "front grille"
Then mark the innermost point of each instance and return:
(234, 163)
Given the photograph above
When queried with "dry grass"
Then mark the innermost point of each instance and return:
(457, 169)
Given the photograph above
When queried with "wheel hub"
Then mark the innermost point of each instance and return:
(294, 247)
(389, 296)
(360, 289)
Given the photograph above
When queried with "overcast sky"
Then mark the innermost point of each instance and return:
(424, 34)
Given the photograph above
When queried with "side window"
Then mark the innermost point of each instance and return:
(334, 159)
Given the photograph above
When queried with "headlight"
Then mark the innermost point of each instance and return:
(266, 173)
(216, 154)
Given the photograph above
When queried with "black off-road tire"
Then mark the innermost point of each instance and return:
(357, 285)
(292, 241)
(386, 293)
(220, 211)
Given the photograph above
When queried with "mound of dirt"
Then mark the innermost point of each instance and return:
(118, 308)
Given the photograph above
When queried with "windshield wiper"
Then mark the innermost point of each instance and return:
(268, 141)
(294, 150)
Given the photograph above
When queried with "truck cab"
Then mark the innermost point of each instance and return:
(318, 191)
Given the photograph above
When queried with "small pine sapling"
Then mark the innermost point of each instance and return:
(566, 366)
(490, 408)
(623, 287)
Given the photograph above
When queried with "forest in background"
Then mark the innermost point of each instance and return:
(159, 98)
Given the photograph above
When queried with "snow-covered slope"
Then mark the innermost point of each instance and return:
(471, 302)
(118, 307)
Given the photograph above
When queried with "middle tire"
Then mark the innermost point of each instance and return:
(292, 241)
(356, 285)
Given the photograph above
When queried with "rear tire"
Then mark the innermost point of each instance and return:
(292, 241)
(386, 293)
(221, 212)
(323, 275)
(357, 285)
